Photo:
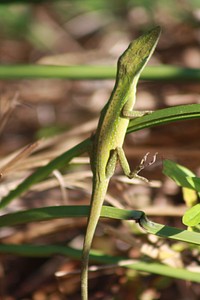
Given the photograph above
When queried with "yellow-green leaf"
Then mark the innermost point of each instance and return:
(192, 216)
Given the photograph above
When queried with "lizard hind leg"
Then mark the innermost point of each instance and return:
(111, 164)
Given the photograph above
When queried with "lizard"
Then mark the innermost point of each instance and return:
(110, 134)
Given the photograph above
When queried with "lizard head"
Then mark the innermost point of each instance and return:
(133, 60)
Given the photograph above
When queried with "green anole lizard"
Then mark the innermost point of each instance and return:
(110, 134)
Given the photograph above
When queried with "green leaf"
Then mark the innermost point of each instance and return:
(194, 182)
(178, 173)
(164, 116)
(49, 213)
(189, 196)
(186, 179)
(192, 216)
(77, 72)
(141, 265)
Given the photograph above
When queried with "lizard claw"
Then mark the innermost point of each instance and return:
(143, 164)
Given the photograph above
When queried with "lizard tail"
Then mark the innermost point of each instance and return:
(98, 196)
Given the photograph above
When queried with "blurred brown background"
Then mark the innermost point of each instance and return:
(92, 33)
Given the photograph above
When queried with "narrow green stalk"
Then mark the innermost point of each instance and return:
(164, 116)
(57, 212)
(69, 211)
(142, 266)
(157, 73)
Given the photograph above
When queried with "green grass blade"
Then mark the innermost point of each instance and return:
(178, 173)
(156, 73)
(48, 213)
(166, 115)
(55, 212)
(142, 266)
(43, 214)
(170, 232)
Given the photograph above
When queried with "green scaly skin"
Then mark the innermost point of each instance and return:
(111, 131)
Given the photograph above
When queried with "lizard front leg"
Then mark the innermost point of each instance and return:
(131, 114)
